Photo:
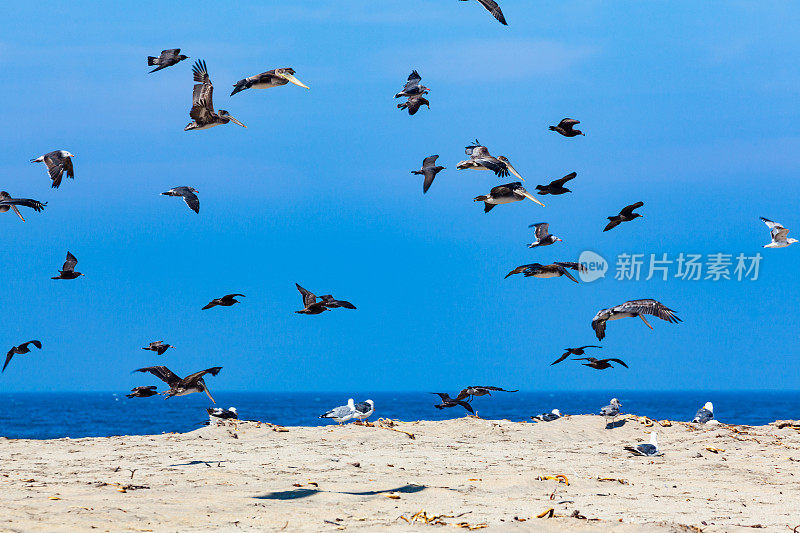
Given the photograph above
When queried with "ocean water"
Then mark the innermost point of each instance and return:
(102, 414)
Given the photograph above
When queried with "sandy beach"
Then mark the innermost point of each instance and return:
(469, 473)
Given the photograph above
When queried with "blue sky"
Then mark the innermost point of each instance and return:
(689, 107)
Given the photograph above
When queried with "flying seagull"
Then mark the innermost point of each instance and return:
(566, 127)
(600, 364)
(573, 351)
(494, 9)
(226, 301)
(7, 202)
(143, 392)
(412, 86)
(649, 449)
(202, 112)
(611, 410)
(158, 346)
(481, 159)
(555, 414)
(222, 414)
(778, 235)
(57, 162)
(310, 304)
(542, 234)
(625, 215)
(268, 79)
(704, 414)
(479, 390)
(68, 270)
(22, 348)
(447, 401)
(505, 194)
(414, 103)
(189, 195)
(556, 186)
(555, 270)
(632, 308)
(429, 170)
(332, 303)
(363, 411)
(341, 414)
(182, 387)
(167, 58)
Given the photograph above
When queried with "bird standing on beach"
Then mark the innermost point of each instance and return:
(363, 411)
(202, 112)
(414, 103)
(556, 186)
(7, 202)
(158, 346)
(600, 364)
(341, 414)
(505, 194)
(705, 414)
(542, 235)
(481, 159)
(169, 57)
(555, 270)
(573, 351)
(625, 215)
(632, 308)
(181, 387)
(429, 170)
(555, 414)
(226, 301)
(143, 392)
(58, 162)
(778, 235)
(648, 449)
(447, 401)
(566, 127)
(68, 270)
(493, 8)
(189, 195)
(22, 348)
(271, 78)
(222, 414)
(611, 411)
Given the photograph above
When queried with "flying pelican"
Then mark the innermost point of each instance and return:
(202, 112)
(505, 194)
(555, 270)
(68, 270)
(158, 346)
(429, 170)
(573, 351)
(480, 159)
(189, 195)
(556, 186)
(182, 387)
(778, 234)
(566, 128)
(268, 79)
(226, 301)
(543, 236)
(7, 202)
(625, 215)
(479, 390)
(600, 364)
(169, 57)
(414, 103)
(494, 9)
(57, 162)
(447, 401)
(412, 86)
(630, 309)
(22, 348)
(143, 392)
(648, 449)
(341, 414)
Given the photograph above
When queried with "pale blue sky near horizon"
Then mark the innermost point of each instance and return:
(689, 107)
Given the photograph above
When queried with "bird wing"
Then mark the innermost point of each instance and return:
(430, 175)
(55, 167)
(68, 167)
(562, 181)
(444, 396)
(501, 190)
(496, 166)
(649, 307)
(620, 361)
(231, 296)
(163, 373)
(466, 406)
(590, 346)
(599, 327)
(191, 379)
(345, 304)
(568, 122)
(574, 266)
(27, 202)
(191, 200)
(489, 387)
(38, 344)
(628, 209)
(202, 103)
(69, 264)
(565, 272)
(464, 393)
(9, 355)
(542, 229)
(429, 161)
(523, 268)
(494, 9)
(413, 80)
(613, 224)
(309, 298)
(563, 356)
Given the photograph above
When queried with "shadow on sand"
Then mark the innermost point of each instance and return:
(296, 494)
(617, 424)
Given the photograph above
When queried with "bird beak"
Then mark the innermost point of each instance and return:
(18, 213)
(645, 321)
(529, 196)
(297, 82)
(209, 395)
(513, 170)
(559, 239)
(236, 121)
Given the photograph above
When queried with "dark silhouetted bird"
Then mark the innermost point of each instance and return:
(413, 104)
(143, 392)
(600, 364)
(167, 58)
(226, 301)
(494, 9)
(7, 202)
(556, 186)
(566, 128)
(429, 170)
(22, 348)
(479, 390)
(182, 387)
(158, 346)
(573, 351)
(68, 270)
(189, 195)
(626, 215)
(447, 401)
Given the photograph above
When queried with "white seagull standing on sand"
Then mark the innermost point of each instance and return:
(611, 410)
(341, 414)
(778, 234)
(705, 414)
(648, 450)
(363, 411)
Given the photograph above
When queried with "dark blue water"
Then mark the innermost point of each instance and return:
(96, 414)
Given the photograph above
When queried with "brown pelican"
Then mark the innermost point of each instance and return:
(341, 414)
(625, 215)
(573, 351)
(555, 270)
(648, 449)
(22, 348)
(158, 346)
(202, 112)
(189, 195)
(480, 159)
(447, 401)
(413, 104)
(7, 202)
(57, 162)
(68, 270)
(332, 303)
(543, 235)
(310, 304)
(429, 170)
(479, 390)
(566, 128)
(556, 186)
(182, 387)
(226, 301)
(167, 58)
(494, 9)
(777, 234)
(268, 79)
(505, 194)
(600, 364)
(631, 309)
(143, 392)
(412, 86)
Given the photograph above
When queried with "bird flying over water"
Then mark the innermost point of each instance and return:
(68, 270)
(542, 235)
(555, 270)
(481, 159)
(143, 392)
(202, 112)
(226, 301)
(58, 162)
(647, 449)
(189, 195)
(429, 170)
(479, 390)
(414, 103)
(158, 346)
(341, 414)
(778, 235)
(182, 387)
(7, 202)
(566, 128)
(632, 308)
(412, 86)
(556, 186)
(600, 364)
(169, 57)
(22, 348)
(625, 215)
(447, 401)
(268, 79)
(493, 8)
(505, 194)
(573, 351)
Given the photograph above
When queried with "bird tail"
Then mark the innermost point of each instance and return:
(39, 159)
(540, 187)
(404, 105)
(418, 172)
(151, 61)
(552, 128)
(488, 207)
(240, 86)
(129, 395)
(481, 198)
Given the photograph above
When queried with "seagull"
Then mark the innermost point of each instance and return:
(268, 79)
(573, 351)
(22, 348)
(68, 270)
(169, 57)
(648, 450)
(341, 414)
(611, 410)
(447, 401)
(332, 303)
(600, 364)
(778, 234)
(226, 301)
(542, 234)
(57, 162)
(158, 346)
(429, 170)
(479, 390)
(505, 194)
(189, 195)
(363, 411)
(414, 103)
(481, 159)
(7, 202)
(565, 127)
(556, 186)
(625, 215)
(632, 308)
(143, 392)
(202, 112)
(555, 414)
(705, 414)
(223, 414)
(494, 9)
(182, 387)
(555, 270)
(412, 86)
